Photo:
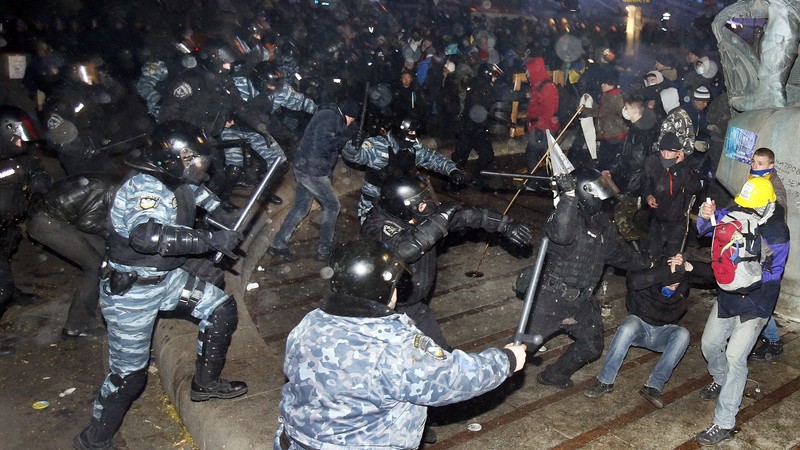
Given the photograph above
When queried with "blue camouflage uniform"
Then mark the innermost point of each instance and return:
(374, 153)
(270, 150)
(351, 389)
(131, 316)
(153, 73)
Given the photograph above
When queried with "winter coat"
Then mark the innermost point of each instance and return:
(672, 188)
(543, 102)
(323, 139)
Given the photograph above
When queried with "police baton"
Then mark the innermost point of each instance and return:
(520, 336)
(244, 216)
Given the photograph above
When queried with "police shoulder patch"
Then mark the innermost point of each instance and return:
(391, 228)
(148, 201)
(427, 345)
(367, 145)
(182, 91)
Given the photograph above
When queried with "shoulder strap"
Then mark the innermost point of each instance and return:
(541, 85)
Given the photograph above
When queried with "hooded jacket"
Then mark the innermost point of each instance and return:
(543, 103)
(677, 121)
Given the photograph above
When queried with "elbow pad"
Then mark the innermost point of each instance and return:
(152, 237)
(424, 237)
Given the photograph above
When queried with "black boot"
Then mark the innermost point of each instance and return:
(274, 199)
(98, 435)
(215, 340)
(232, 176)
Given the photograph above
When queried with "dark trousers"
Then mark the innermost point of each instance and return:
(82, 249)
(557, 311)
(10, 235)
(475, 137)
(665, 238)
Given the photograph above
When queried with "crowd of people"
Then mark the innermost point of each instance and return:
(156, 117)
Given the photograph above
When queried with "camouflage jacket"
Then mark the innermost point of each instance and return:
(359, 383)
(678, 122)
(374, 154)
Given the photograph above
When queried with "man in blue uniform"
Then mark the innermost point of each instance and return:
(398, 151)
(361, 375)
(150, 236)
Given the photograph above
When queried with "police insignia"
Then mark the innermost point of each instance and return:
(54, 120)
(367, 145)
(174, 202)
(427, 345)
(390, 229)
(182, 91)
(148, 201)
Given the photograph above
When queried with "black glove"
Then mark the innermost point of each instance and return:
(225, 240)
(448, 210)
(517, 233)
(358, 138)
(565, 182)
(457, 177)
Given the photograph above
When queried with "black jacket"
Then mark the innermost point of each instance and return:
(416, 244)
(322, 141)
(80, 200)
(628, 170)
(672, 188)
(645, 300)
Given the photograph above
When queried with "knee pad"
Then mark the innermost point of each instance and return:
(225, 316)
(130, 385)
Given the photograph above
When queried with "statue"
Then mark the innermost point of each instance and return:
(757, 79)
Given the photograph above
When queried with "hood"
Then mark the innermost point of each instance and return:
(647, 121)
(711, 68)
(657, 74)
(536, 70)
(670, 99)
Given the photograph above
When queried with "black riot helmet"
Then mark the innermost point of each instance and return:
(406, 132)
(489, 72)
(408, 196)
(266, 73)
(16, 128)
(592, 187)
(217, 56)
(176, 151)
(365, 269)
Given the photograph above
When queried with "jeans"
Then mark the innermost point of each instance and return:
(311, 188)
(770, 331)
(726, 343)
(671, 340)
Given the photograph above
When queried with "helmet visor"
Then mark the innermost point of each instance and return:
(23, 129)
(195, 167)
(424, 203)
(602, 188)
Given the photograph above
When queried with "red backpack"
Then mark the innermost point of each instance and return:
(737, 253)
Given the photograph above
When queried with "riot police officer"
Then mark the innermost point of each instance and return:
(410, 220)
(147, 270)
(400, 151)
(22, 178)
(382, 372)
(582, 241)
